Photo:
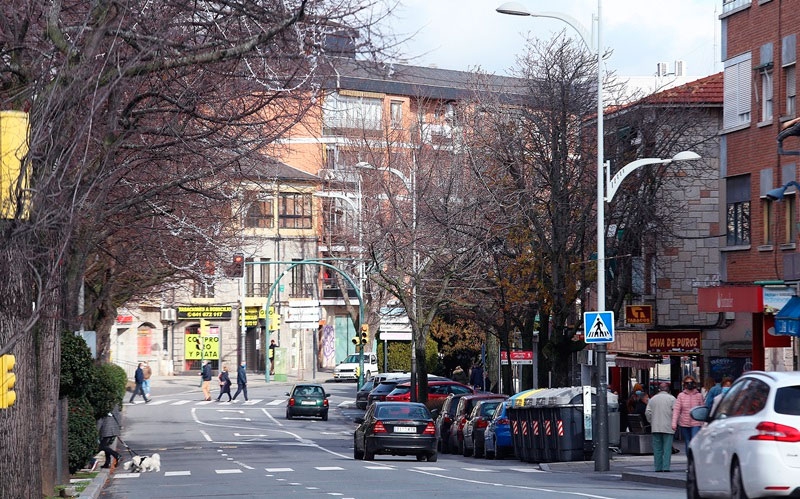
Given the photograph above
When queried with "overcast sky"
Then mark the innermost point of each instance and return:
(464, 34)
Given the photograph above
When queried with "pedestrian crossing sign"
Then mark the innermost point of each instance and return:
(598, 327)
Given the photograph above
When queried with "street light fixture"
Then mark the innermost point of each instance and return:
(594, 44)
(410, 184)
(777, 193)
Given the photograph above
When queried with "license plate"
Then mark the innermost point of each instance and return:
(308, 402)
(405, 429)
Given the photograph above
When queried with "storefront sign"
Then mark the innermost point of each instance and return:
(730, 299)
(210, 350)
(518, 357)
(205, 312)
(683, 342)
(639, 314)
(252, 315)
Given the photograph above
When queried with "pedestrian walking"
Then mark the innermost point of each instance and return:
(109, 431)
(147, 373)
(459, 375)
(710, 390)
(687, 400)
(241, 381)
(659, 414)
(138, 378)
(205, 374)
(272, 347)
(727, 381)
(224, 383)
(476, 376)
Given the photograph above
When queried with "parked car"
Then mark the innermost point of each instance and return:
(384, 388)
(362, 395)
(348, 368)
(476, 425)
(465, 405)
(307, 399)
(438, 389)
(750, 446)
(444, 419)
(497, 440)
(395, 428)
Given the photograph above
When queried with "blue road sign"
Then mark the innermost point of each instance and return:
(598, 327)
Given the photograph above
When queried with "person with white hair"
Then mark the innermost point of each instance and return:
(659, 415)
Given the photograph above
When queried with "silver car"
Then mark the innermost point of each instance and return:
(750, 445)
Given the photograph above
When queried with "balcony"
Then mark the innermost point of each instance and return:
(257, 289)
(331, 290)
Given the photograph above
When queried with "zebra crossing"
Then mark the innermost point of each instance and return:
(252, 402)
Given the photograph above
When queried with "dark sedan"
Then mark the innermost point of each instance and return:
(397, 429)
(444, 419)
(307, 400)
(476, 424)
(362, 395)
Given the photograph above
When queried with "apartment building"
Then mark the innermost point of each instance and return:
(759, 257)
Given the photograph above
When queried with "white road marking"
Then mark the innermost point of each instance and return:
(379, 467)
(529, 470)
(480, 470)
(227, 472)
(158, 402)
(259, 435)
(237, 411)
(251, 402)
(205, 402)
(182, 402)
(329, 468)
(239, 419)
(177, 473)
(428, 468)
(127, 475)
(277, 470)
(276, 402)
(205, 435)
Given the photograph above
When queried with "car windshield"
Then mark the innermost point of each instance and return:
(401, 390)
(402, 412)
(352, 359)
(488, 408)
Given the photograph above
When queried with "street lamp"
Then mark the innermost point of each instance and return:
(777, 194)
(516, 9)
(410, 184)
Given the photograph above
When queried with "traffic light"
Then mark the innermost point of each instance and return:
(237, 268)
(205, 327)
(7, 394)
(364, 334)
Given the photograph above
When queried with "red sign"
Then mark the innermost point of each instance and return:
(730, 299)
(124, 319)
(517, 357)
(683, 342)
(639, 314)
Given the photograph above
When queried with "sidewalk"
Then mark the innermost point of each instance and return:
(633, 468)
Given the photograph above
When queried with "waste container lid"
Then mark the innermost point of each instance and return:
(520, 399)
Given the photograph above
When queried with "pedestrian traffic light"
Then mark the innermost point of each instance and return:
(7, 380)
(205, 327)
(237, 269)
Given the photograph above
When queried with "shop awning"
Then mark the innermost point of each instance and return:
(635, 362)
(787, 320)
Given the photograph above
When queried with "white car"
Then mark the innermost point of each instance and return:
(348, 368)
(750, 445)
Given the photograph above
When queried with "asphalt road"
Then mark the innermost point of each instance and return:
(249, 449)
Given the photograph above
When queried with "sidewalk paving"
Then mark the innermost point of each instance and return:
(632, 468)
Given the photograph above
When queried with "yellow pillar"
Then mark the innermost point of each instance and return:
(13, 150)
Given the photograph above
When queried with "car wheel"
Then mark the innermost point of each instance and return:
(443, 445)
(421, 457)
(433, 457)
(465, 451)
(325, 416)
(737, 489)
(288, 414)
(691, 481)
(357, 454)
(368, 456)
(477, 451)
(460, 449)
(489, 454)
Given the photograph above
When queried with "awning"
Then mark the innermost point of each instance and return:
(635, 362)
(787, 320)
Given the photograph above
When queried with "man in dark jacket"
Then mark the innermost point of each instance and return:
(109, 430)
(206, 376)
(241, 381)
(138, 378)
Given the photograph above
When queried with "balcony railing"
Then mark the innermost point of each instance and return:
(331, 290)
(729, 5)
(258, 289)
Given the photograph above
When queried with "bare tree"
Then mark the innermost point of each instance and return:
(140, 114)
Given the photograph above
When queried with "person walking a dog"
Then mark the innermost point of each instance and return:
(241, 381)
(205, 373)
(224, 383)
(138, 378)
(109, 431)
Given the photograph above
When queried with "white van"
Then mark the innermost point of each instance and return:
(348, 368)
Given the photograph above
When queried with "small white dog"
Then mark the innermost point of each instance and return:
(143, 463)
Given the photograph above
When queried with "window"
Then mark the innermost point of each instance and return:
(769, 208)
(790, 227)
(737, 218)
(257, 278)
(396, 112)
(789, 60)
(359, 110)
(259, 215)
(737, 92)
(766, 95)
(294, 211)
(203, 289)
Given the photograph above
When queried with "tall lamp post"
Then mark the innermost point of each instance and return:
(603, 174)
(410, 185)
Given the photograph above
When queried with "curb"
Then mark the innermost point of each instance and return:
(677, 480)
(96, 486)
